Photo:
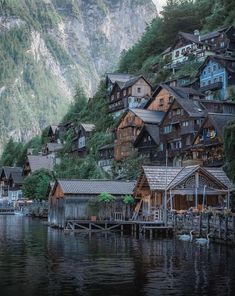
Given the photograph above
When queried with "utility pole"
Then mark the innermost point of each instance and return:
(165, 195)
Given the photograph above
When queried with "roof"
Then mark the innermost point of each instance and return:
(96, 187)
(213, 34)
(52, 147)
(148, 116)
(54, 128)
(38, 162)
(17, 177)
(152, 130)
(156, 175)
(121, 77)
(8, 170)
(88, 127)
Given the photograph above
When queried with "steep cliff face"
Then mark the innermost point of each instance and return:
(48, 46)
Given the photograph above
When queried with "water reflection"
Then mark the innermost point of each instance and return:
(36, 260)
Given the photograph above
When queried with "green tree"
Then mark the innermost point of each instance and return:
(229, 148)
(36, 185)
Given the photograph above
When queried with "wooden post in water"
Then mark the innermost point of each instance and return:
(200, 224)
(226, 227)
(208, 224)
(233, 231)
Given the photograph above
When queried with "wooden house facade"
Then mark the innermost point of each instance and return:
(10, 178)
(53, 133)
(216, 75)
(186, 187)
(178, 128)
(80, 141)
(106, 157)
(147, 144)
(72, 200)
(207, 145)
(128, 128)
(133, 93)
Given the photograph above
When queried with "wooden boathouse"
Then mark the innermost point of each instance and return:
(188, 187)
(77, 200)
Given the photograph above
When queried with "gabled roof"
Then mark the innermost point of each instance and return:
(88, 127)
(147, 116)
(91, 187)
(54, 128)
(38, 162)
(120, 77)
(188, 37)
(220, 59)
(7, 170)
(17, 177)
(214, 33)
(152, 130)
(124, 85)
(218, 120)
(156, 176)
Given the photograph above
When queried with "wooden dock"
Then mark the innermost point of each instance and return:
(146, 228)
(7, 211)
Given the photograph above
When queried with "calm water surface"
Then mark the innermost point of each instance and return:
(36, 260)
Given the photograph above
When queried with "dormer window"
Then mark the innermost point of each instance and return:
(118, 94)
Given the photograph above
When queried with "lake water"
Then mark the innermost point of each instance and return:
(36, 260)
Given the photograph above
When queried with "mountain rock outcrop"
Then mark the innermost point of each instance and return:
(48, 46)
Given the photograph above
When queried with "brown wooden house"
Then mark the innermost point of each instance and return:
(164, 95)
(5, 180)
(106, 157)
(186, 187)
(129, 127)
(133, 93)
(147, 144)
(80, 141)
(207, 145)
(53, 133)
(178, 128)
(71, 200)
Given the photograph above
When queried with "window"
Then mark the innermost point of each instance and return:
(169, 114)
(160, 148)
(185, 123)
(212, 40)
(204, 72)
(139, 90)
(214, 67)
(222, 44)
(188, 140)
(118, 94)
(178, 111)
(215, 80)
(209, 69)
(167, 129)
(112, 97)
(161, 102)
(171, 99)
(177, 53)
(209, 82)
(124, 92)
(182, 111)
(178, 145)
(220, 78)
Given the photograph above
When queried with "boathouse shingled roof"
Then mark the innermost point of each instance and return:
(156, 175)
(8, 170)
(38, 162)
(96, 187)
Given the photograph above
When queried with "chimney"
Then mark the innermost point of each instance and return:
(197, 33)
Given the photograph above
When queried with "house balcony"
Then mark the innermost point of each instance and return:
(212, 86)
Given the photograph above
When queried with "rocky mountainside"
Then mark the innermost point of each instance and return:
(48, 46)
